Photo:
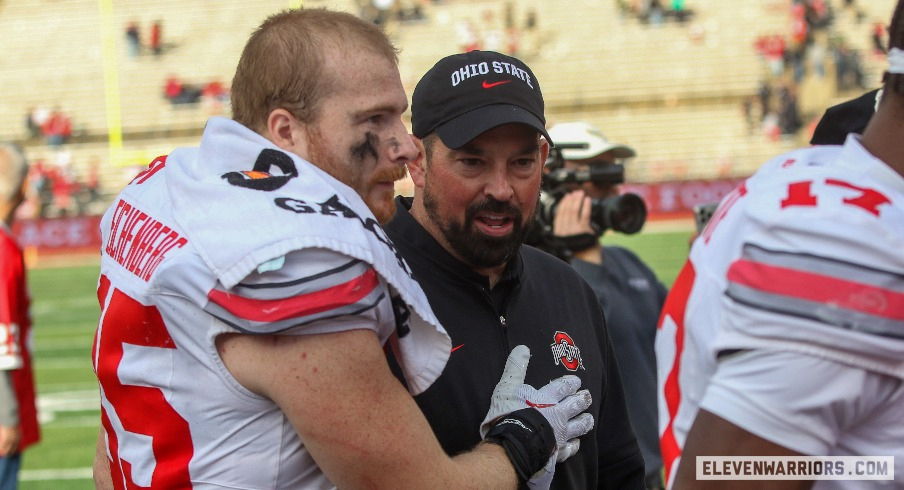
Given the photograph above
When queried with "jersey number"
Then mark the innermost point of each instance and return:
(149, 172)
(160, 441)
(801, 194)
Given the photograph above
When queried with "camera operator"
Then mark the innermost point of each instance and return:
(630, 294)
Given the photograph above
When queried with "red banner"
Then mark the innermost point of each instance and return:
(74, 234)
(82, 233)
(677, 199)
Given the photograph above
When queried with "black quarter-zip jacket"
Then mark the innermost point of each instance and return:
(540, 302)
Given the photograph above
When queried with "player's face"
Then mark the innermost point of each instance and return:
(481, 198)
(359, 137)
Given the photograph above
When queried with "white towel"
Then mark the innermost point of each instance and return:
(287, 216)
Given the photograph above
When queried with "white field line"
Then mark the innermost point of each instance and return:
(48, 407)
(61, 474)
(67, 401)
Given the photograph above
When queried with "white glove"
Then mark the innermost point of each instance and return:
(559, 402)
(542, 479)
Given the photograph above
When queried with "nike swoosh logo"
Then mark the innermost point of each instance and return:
(491, 85)
(539, 405)
(456, 348)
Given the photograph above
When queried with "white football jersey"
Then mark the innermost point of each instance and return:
(805, 257)
(219, 240)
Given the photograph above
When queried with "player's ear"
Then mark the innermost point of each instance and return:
(286, 132)
(417, 167)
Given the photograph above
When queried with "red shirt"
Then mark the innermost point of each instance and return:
(15, 342)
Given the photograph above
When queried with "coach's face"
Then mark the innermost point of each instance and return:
(479, 200)
(358, 136)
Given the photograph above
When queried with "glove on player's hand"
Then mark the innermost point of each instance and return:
(542, 479)
(559, 402)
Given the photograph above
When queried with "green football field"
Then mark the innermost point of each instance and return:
(65, 311)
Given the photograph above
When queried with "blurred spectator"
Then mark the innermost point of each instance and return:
(41, 187)
(34, 119)
(178, 92)
(679, 10)
(172, 88)
(530, 22)
(37, 116)
(410, 11)
(770, 125)
(61, 190)
(624, 8)
(796, 55)
(789, 119)
(800, 29)
(508, 14)
(513, 40)
(19, 427)
(467, 36)
(133, 38)
(818, 14)
(55, 189)
(772, 49)
(490, 32)
(156, 40)
(848, 69)
(215, 90)
(878, 38)
(816, 58)
(213, 96)
(764, 97)
(381, 11)
(91, 186)
(656, 13)
(57, 128)
(531, 41)
(750, 118)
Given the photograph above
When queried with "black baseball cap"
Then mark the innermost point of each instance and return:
(467, 94)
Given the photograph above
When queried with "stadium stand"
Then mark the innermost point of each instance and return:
(673, 91)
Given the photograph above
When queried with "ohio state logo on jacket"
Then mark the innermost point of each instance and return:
(564, 352)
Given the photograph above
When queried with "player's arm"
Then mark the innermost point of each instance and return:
(359, 423)
(10, 358)
(751, 409)
(9, 415)
(332, 380)
(711, 435)
(103, 479)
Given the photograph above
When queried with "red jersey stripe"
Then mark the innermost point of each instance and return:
(675, 307)
(842, 293)
(266, 310)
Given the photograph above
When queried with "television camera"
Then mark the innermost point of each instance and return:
(625, 213)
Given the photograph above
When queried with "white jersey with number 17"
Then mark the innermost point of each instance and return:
(805, 257)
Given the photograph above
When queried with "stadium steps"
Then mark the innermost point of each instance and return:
(672, 91)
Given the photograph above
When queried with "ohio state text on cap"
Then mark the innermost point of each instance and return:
(467, 94)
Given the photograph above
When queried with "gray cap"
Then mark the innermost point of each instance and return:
(592, 139)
